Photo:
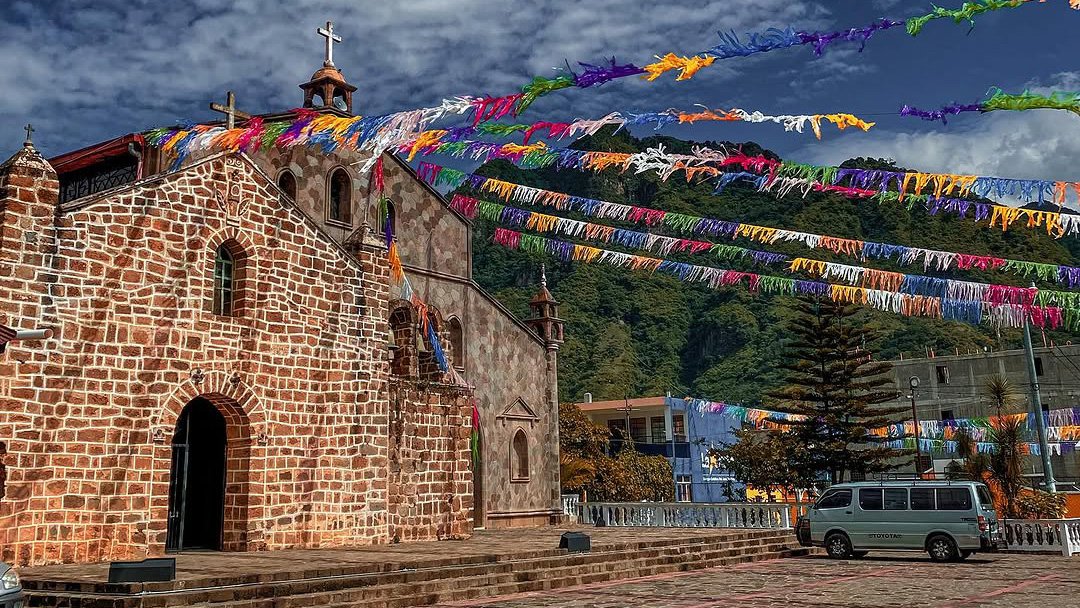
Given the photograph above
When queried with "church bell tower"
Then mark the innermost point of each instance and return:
(328, 91)
(545, 319)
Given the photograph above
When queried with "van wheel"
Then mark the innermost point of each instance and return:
(838, 546)
(942, 548)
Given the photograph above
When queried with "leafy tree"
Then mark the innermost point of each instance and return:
(632, 477)
(1041, 505)
(585, 465)
(580, 437)
(839, 389)
(765, 460)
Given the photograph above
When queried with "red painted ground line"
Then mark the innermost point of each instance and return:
(1010, 589)
(824, 583)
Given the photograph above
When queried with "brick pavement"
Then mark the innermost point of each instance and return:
(885, 580)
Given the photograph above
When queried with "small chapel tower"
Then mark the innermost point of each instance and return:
(328, 90)
(545, 319)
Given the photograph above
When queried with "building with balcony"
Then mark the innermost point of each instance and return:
(672, 428)
(953, 386)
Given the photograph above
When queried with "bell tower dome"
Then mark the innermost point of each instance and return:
(328, 90)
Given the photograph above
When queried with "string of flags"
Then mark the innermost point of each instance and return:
(1063, 430)
(999, 100)
(958, 293)
(998, 309)
(967, 12)
(698, 226)
(784, 177)
(378, 133)
(559, 130)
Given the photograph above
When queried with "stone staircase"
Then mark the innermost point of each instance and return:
(435, 581)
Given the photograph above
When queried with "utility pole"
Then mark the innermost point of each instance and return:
(1036, 401)
(913, 382)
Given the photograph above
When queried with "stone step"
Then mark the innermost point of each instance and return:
(456, 575)
(419, 593)
(479, 593)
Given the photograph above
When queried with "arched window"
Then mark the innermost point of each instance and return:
(340, 201)
(228, 279)
(287, 182)
(457, 344)
(403, 336)
(428, 365)
(519, 457)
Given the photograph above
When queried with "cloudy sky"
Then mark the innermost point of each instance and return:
(87, 70)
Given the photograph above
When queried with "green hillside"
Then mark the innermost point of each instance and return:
(629, 333)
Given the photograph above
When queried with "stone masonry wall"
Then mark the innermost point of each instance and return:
(504, 360)
(88, 416)
(430, 477)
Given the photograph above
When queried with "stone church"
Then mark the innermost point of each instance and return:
(216, 358)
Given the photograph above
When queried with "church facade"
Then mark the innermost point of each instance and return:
(216, 357)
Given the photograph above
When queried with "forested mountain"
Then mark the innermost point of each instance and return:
(630, 333)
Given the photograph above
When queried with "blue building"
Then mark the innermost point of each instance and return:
(681, 430)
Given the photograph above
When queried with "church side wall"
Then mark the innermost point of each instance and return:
(505, 361)
(300, 376)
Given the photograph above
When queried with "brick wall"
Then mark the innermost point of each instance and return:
(300, 375)
(430, 479)
(505, 361)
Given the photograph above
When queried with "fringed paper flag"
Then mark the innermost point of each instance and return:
(1000, 307)
(999, 100)
(967, 12)
(697, 226)
(687, 66)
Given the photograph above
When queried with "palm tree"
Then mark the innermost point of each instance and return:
(575, 472)
(1001, 393)
(1006, 462)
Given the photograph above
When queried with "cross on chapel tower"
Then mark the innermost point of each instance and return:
(327, 91)
(328, 33)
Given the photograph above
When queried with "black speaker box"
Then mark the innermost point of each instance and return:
(575, 542)
(155, 570)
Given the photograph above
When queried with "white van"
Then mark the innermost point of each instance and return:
(950, 520)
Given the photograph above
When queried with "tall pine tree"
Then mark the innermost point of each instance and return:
(832, 380)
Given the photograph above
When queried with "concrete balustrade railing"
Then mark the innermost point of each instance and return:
(1043, 535)
(686, 515)
(570, 504)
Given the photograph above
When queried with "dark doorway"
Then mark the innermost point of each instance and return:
(197, 483)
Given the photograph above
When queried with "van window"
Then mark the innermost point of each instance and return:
(984, 496)
(922, 499)
(834, 499)
(953, 499)
(896, 499)
(870, 499)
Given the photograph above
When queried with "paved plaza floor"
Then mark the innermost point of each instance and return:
(901, 580)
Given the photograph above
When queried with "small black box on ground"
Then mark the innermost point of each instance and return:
(575, 542)
(154, 570)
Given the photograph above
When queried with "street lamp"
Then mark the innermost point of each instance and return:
(913, 382)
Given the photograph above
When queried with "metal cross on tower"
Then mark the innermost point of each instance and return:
(229, 110)
(29, 130)
(328, 33)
